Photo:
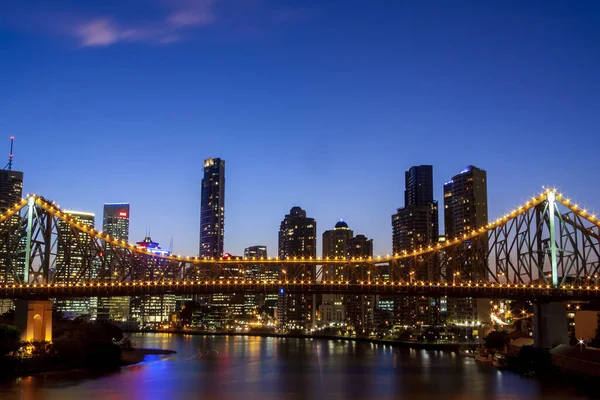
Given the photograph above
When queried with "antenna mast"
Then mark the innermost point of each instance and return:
(10, 156)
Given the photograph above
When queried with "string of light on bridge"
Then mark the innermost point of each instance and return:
(242, 282)
(531, 203)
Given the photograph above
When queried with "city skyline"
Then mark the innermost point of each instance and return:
(327, 119)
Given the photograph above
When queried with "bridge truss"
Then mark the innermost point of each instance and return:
(546, 247)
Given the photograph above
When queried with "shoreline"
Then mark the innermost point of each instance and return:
(452, 347)
(135, 356)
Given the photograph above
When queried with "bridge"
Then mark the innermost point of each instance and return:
(545, 250)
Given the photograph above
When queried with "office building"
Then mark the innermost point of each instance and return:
(11, 267)
(297, 238)
(212, 209)
(255, 252)
(152, 310)
(115, 222)
(72, 264)
(465, 209)
(254, 302)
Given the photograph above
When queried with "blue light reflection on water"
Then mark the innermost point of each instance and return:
(229, 367)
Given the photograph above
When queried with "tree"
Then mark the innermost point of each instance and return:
(10, 339)
(496, 340)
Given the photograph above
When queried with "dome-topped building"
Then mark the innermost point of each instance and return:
(341, 224)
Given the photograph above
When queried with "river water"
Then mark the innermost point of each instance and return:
(239, 367)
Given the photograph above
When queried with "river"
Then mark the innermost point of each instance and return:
(242, 367)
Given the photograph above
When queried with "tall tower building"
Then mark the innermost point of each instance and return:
(72, 263)
(11, 191)
(212, 208)
(297, 238)
(465, 209)
(416, 226)
(115, 222)
(11, 265)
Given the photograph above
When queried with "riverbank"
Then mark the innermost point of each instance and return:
(390, 342)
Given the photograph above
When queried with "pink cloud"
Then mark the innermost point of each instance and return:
(99, 32)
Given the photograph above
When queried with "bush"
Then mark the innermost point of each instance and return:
(10, 339)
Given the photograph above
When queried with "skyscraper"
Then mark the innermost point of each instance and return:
(11, 188)
(72, 265)
(212, 208)
(115, 222)
(11, 191)
(415, 226)
(297, 238)
(465, 209)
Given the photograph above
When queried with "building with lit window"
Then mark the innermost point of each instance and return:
(73, 265)
(360, 308)
(297, 238)
(414, 226)
(11, 191)
(253, 302)
(115, 222)
(332, 309)
(465, 209)
(212, 208)
(152, 310)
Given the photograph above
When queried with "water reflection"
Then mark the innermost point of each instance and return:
(228, 367)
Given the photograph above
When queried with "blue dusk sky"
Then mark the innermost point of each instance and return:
(320, 104)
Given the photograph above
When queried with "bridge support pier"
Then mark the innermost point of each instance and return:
(34, 319)
(549, 325)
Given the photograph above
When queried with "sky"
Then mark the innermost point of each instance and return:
(320, 104)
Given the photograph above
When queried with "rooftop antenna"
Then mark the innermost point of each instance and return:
(171, 246)
(10, 156)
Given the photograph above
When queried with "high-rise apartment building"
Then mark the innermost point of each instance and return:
(115, 222)
(416, 226)
(465, 209)
(297, 238)
(360, 308)
(72, 264)
(332, 309)
(212, 208)
(465, 202)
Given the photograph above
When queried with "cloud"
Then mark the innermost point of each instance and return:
(160, 22)
(105, 31)
(100, 32)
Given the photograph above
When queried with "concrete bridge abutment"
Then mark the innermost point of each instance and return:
(34, 319)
